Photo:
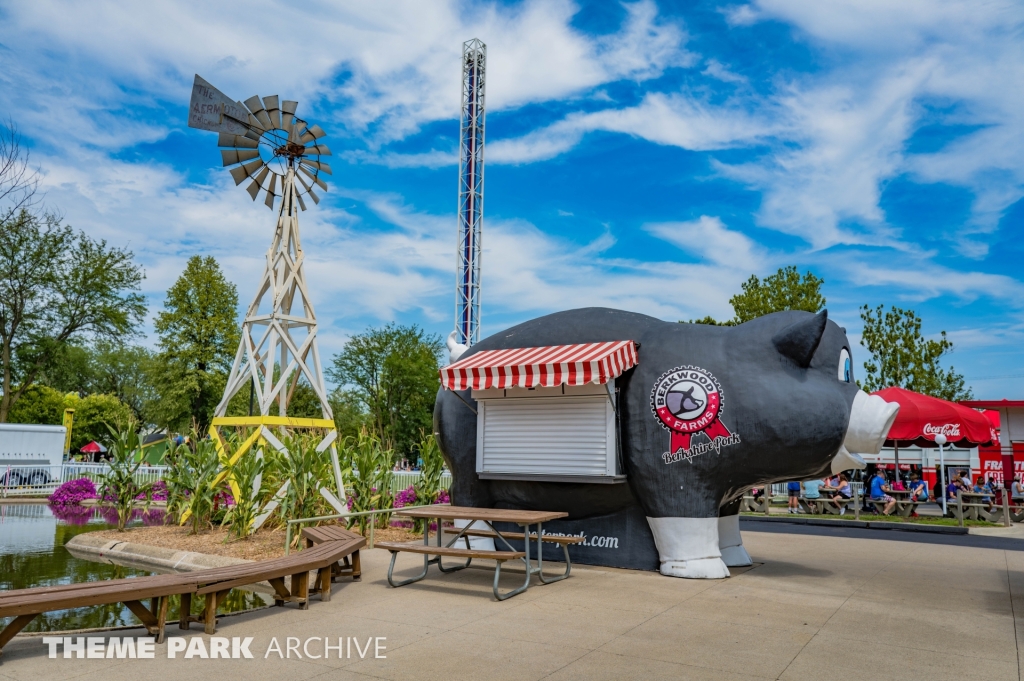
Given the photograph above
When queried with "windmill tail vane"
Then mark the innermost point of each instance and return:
(262, 139)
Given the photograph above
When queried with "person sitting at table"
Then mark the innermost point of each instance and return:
(1017, 490)
(982, 486)
(812, 489)
(879, 494)
(843, 491)
(918, 490)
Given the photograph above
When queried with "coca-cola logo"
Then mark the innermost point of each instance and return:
(947, 429)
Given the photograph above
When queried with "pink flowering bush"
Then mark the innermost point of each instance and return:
(73, 492)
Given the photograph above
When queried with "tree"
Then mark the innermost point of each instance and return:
(18, 180)
(43, 405)
(199, 334)
(784, 290)
(900, 356)
(393, 373)
(58, 287)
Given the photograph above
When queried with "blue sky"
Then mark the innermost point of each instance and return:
(646, 156)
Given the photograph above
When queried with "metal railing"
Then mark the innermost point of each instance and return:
(362, 514)
(41, 480)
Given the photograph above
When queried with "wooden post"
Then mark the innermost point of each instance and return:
(1007, 521)
(210, 613)
(356, 569)
(767, 499)
(960, 507)
(856, 503)
(185, 611)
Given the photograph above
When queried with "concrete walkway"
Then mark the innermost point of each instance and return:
(814, 607)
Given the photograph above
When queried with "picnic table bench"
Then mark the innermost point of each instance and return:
(488, 516)
(27, 604)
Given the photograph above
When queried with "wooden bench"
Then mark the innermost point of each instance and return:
(27, 604)
(325, 533)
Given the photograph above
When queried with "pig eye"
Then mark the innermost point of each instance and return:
(845, 367)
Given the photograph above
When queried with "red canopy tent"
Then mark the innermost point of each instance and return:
(922, 417)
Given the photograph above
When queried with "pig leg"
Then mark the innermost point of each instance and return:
(730, 542)
(688, 547)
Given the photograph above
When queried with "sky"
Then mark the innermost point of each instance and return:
(640, 155)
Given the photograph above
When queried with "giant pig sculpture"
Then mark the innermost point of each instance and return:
(708, 413)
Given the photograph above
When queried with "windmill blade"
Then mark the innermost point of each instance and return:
(247, 170)
(288, 112)
(316, 199)
(314, 177)
(313, 132)
(256, 107)
(302, 204)
(228, 140)
(233, 156)
(273, 109)
(273, 185)
(318, 150)
(257, 182)
(322, 167)
(254, 189)
(270, 200)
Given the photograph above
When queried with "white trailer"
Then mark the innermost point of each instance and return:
(23, 444)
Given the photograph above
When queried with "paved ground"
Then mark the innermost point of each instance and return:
(814, 607)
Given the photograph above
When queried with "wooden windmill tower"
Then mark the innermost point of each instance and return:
(279, 153)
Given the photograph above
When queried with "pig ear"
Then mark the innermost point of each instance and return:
(799, 341)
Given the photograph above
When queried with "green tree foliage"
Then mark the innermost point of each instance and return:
(57, 287)
(784, 290)
(393, 372)
(350, 415)
(901, 356)
(124, 371)
(199, 334)
(93, 413)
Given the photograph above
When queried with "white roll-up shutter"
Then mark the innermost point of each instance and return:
(554, 436)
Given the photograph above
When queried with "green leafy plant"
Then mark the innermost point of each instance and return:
(118, 486)
(372, 479)
(305, 470)
(248, 474)
(191, 494)
(428, 487)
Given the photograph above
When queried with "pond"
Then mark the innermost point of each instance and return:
(32, 554)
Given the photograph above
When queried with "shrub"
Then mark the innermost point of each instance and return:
(118, 484)
(73, 492)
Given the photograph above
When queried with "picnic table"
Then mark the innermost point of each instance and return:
(488, 516)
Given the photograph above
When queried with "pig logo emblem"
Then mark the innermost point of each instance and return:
(688, 400)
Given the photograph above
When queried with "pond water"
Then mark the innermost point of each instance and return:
(32, 553)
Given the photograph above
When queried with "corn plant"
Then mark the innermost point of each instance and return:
(118, 487)
(428, 486)
(190, 483)
(305, 470)
(248, 474)
(371, 478)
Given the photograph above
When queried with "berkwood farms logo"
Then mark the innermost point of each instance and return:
(688, 400)
(947, 429)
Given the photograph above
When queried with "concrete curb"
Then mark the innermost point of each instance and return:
(103, 550)
(863, 524)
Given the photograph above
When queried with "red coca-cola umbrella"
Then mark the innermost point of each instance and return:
(922, 417)
(93, 448)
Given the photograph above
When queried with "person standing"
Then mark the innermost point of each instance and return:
(794, 496)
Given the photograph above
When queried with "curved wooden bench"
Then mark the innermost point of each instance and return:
(27, 604)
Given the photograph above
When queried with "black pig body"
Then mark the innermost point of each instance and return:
(762, 402)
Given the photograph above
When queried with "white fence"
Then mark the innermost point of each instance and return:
(39, 481)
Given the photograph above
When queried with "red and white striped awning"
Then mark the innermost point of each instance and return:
(548, 366)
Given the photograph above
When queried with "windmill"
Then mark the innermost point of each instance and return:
(263, 141)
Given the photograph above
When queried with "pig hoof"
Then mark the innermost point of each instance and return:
(736, 556)
(699, 568)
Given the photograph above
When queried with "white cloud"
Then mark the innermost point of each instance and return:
(709, 239)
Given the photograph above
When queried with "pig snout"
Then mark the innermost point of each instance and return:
(870, 420)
